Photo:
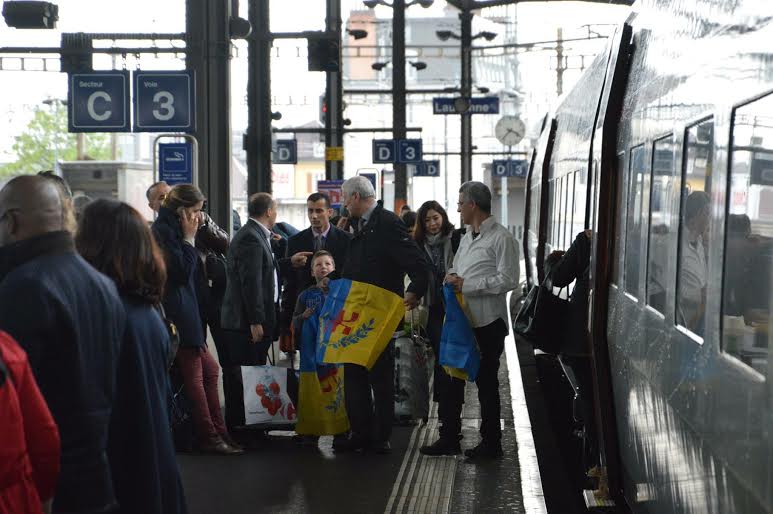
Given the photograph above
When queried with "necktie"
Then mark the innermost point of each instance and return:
(319, 243)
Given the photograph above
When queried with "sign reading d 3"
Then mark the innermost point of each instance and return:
(98, 102)
(164, 101)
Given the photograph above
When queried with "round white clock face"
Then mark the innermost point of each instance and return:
(510, 130)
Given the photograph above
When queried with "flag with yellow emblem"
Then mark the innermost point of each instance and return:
(459, 352)
(321, 408)
(357, 322)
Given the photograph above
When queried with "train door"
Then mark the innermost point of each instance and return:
(602, 222)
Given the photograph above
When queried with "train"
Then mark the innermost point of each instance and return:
(664, 150)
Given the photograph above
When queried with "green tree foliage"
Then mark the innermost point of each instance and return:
(46, 139)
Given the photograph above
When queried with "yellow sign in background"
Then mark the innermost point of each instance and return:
(334, 153)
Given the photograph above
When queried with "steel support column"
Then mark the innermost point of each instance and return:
(334, 118)
(466, 92)
(398, 98)
(208, 54)
(257, 140)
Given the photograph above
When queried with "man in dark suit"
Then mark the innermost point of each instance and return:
(251, 300)
(296, 268)
(380, 253)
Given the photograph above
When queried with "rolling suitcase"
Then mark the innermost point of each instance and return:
(413, 365)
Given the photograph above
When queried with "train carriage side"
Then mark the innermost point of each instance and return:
(690, 294)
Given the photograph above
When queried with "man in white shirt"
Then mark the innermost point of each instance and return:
(485, 269)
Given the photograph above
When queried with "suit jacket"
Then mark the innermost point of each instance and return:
(249, 293)
(298, 279)
(382, 252)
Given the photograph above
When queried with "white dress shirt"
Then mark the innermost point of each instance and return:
(489, 266)
(267, 233)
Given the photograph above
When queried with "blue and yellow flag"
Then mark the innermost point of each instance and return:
(357, 322)
(459, 352)
(321, 408)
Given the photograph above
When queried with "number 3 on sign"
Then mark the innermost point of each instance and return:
(164, 110)
(410, 153)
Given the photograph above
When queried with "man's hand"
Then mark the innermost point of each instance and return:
(342, 223)
(307, 313)
(455, 281)
(411, 301)
(256, 331)
(299, 259)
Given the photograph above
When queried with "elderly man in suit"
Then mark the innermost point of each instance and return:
(251, 300)
(296, 268)
(381, 253)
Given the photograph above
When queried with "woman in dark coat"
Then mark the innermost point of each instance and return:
(563, 269)
(115, 239)
(179, 219)
(435, 235)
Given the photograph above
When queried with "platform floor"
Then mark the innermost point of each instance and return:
(283, 477)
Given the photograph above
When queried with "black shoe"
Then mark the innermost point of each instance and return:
(353, 444)
(485, 450)
(381, 447)
(442, 447)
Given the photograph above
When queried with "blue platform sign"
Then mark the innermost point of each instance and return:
(286, 152)
(175, 163)
(384, 151)
(409, 151)
(478, 105)
(98, 102)
(164, 101)
(509, 168)
(427, 169)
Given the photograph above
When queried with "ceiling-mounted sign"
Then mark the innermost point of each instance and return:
(286, 152)
(98, 102)
(164, 101)
(427, 169)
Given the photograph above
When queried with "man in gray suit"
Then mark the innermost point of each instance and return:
(250, 306)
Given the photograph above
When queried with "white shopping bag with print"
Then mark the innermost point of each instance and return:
(268, 394)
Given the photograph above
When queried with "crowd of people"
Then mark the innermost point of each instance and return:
(93, 314)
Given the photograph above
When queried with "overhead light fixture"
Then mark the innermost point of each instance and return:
(482, 89)
(444, 35)
(378, 66)
(30, 15)
(488, 36)
(419, 65)
(371, 3)
(423, 3)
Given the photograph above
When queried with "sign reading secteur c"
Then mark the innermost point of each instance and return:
(98, 102)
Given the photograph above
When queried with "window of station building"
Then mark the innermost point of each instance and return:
(694, 224)
(619, 216)
(636, 166)
(660, 225)
(746, 299)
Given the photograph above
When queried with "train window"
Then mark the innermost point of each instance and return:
(557, 216)
(552, 184)
(660, 226)
(566, 181)
(637, 165)
(694, 221)
(619, 194)
(746, 301)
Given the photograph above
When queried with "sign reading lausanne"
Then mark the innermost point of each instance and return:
(478, 105)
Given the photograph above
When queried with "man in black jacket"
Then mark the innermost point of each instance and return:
(381, 253)
(251, 300)
(70, 321)
(296, 268)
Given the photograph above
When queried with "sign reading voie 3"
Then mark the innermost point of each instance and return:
(98, 102)
(164, 100)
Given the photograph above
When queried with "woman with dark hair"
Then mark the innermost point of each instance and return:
(115, 239)
(175, 230)
(435, 234)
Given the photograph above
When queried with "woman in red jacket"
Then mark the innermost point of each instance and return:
(29, 455)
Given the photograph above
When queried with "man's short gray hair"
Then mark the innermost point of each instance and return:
(358, 184)
(477, 192)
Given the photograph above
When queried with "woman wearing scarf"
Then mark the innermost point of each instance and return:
(435, 234)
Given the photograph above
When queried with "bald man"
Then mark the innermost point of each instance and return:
(70, 321)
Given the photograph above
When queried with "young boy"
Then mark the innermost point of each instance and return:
(312, 298)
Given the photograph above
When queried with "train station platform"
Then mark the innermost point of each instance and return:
(282, 476)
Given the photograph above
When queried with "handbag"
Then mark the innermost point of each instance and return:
(542, 319)
(270, 395)
(174, 336)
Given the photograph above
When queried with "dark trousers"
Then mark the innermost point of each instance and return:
(491, 341)
(371, 421)
(446, 390)
(234, 350)
(581, 367)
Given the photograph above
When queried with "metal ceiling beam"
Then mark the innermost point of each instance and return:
(482, 4)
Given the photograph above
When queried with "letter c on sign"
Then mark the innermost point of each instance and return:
(90, 106)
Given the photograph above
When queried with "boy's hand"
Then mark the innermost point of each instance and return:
(307, 313)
